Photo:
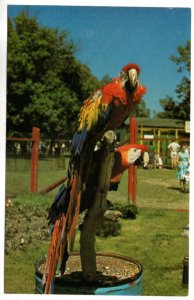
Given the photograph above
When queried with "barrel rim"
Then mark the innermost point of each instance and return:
(60, 280)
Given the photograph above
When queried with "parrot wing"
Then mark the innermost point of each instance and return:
(91, 121)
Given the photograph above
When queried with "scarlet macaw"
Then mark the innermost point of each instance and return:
(105, 110)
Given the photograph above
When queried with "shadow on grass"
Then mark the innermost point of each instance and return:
(178, 189)
(174, 188)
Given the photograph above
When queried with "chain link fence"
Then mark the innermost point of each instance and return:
(156, 188)
(53, 162)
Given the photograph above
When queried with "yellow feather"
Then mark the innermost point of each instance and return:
(92, 117)
(90, 113)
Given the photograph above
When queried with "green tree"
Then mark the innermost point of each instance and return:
(45, 82)
(105, 80)
(169, 107)
(141, 110)
(179, 109)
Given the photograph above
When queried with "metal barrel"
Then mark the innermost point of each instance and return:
(132, 286)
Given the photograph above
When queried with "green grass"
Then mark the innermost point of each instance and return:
(147, 239)
(18, 174)
(153, 238)
(155, 188)
(160, 250)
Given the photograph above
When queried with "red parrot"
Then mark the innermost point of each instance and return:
(124, 157)
(105, 110)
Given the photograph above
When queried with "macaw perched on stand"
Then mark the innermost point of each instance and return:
(124, 157)
(105, 110)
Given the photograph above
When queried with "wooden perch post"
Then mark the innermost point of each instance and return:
(94, 216)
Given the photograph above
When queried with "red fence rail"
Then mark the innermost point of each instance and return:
(34, 157)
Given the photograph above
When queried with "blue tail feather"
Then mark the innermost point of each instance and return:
(61, 191)
(60, 204)
(78, 142)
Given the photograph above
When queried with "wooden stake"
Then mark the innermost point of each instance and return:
(94, 216)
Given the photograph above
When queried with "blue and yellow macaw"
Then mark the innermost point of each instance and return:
(105, 110)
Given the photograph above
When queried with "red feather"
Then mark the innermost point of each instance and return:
(132, 66)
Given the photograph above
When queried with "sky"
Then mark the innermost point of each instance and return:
(109, 37)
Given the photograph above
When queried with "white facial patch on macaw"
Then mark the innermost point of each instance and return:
(132, 74)
(133, 154)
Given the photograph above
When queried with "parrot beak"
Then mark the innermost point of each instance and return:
(132, 75)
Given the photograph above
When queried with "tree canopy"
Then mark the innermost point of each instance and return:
(141, 110)
(179, 109)
(46, 83)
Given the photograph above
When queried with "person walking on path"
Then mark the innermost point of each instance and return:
(174, 148)
(182, 166)
(152, 156)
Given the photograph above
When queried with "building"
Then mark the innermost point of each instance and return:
(158, 132)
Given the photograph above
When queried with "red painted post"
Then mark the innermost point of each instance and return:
(132, 171)
(34, 160)
(135, 167)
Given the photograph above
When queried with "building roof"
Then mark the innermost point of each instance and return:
(158, 123)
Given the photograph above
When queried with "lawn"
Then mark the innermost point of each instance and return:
(18, 174)
(153, 238)
(155, 189)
